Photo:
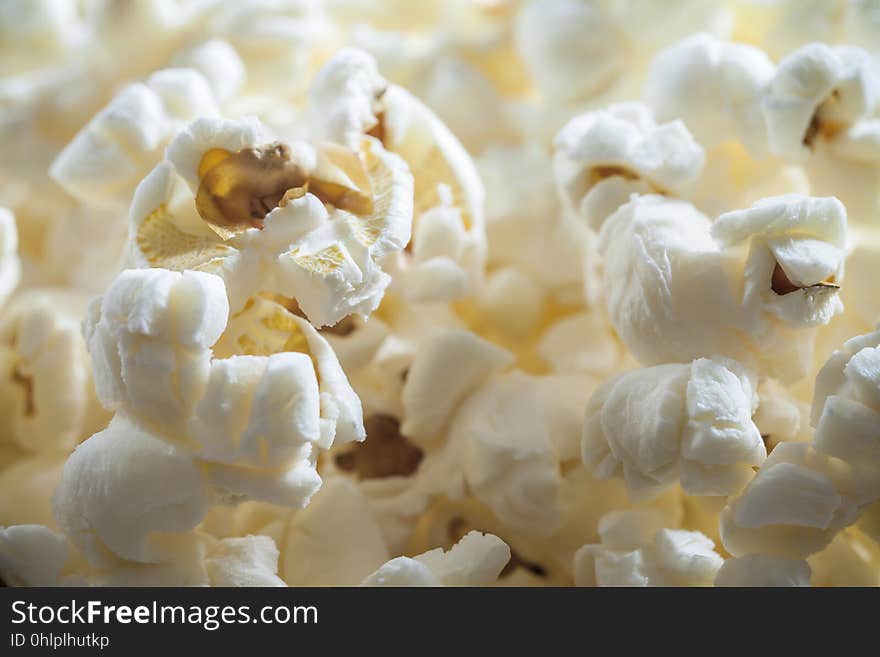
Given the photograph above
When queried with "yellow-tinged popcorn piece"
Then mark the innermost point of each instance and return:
(46, 395)
(349, 99)
(366, 296)
(304, 222)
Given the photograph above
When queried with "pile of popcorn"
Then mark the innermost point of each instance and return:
(439, 293)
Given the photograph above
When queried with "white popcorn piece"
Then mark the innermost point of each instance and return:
(759, 570)
(202, 428)
(636, 551)
(603, 157)
(571, 49)
(816, 91)
(312, 230)
(448, 366)
(476, 560)
(511, 444)
(800, 243)
(117, 148)
(667, 423)
(807, 493)
(349, 99)
(724, 84)
(219, 63)
(678, 287)
(244, 561)
(796, 504)
(45, 396)
(10, 264)
(149, 492)
(31, 555)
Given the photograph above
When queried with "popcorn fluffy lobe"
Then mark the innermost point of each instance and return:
(621, 145)
(662, 424)
(636, 551)
(476, 560)
(110, 155)
(715, 87)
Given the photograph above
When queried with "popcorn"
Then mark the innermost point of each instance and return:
(665, 423)
(200, 429)
(339, 342)
(45, 393)
(510, 452)
(10, 265)
(816, 91)
(108, 157)
(652, 244)
(31, 555)
(280, 42)
(456, 360)
(637, 551)
(603, 157)
(805, 494)
(804, 239)
(764, 571)
(246, 561)
(221, 65)
(571, 48)
(563, 347)
(34, 32)
(134, 512)
(476, 560)
(723, 83)
(349, 99)
(206, 208)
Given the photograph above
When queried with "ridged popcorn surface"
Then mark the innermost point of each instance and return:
(444, 293)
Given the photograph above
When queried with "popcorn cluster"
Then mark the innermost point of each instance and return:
(447, 293)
